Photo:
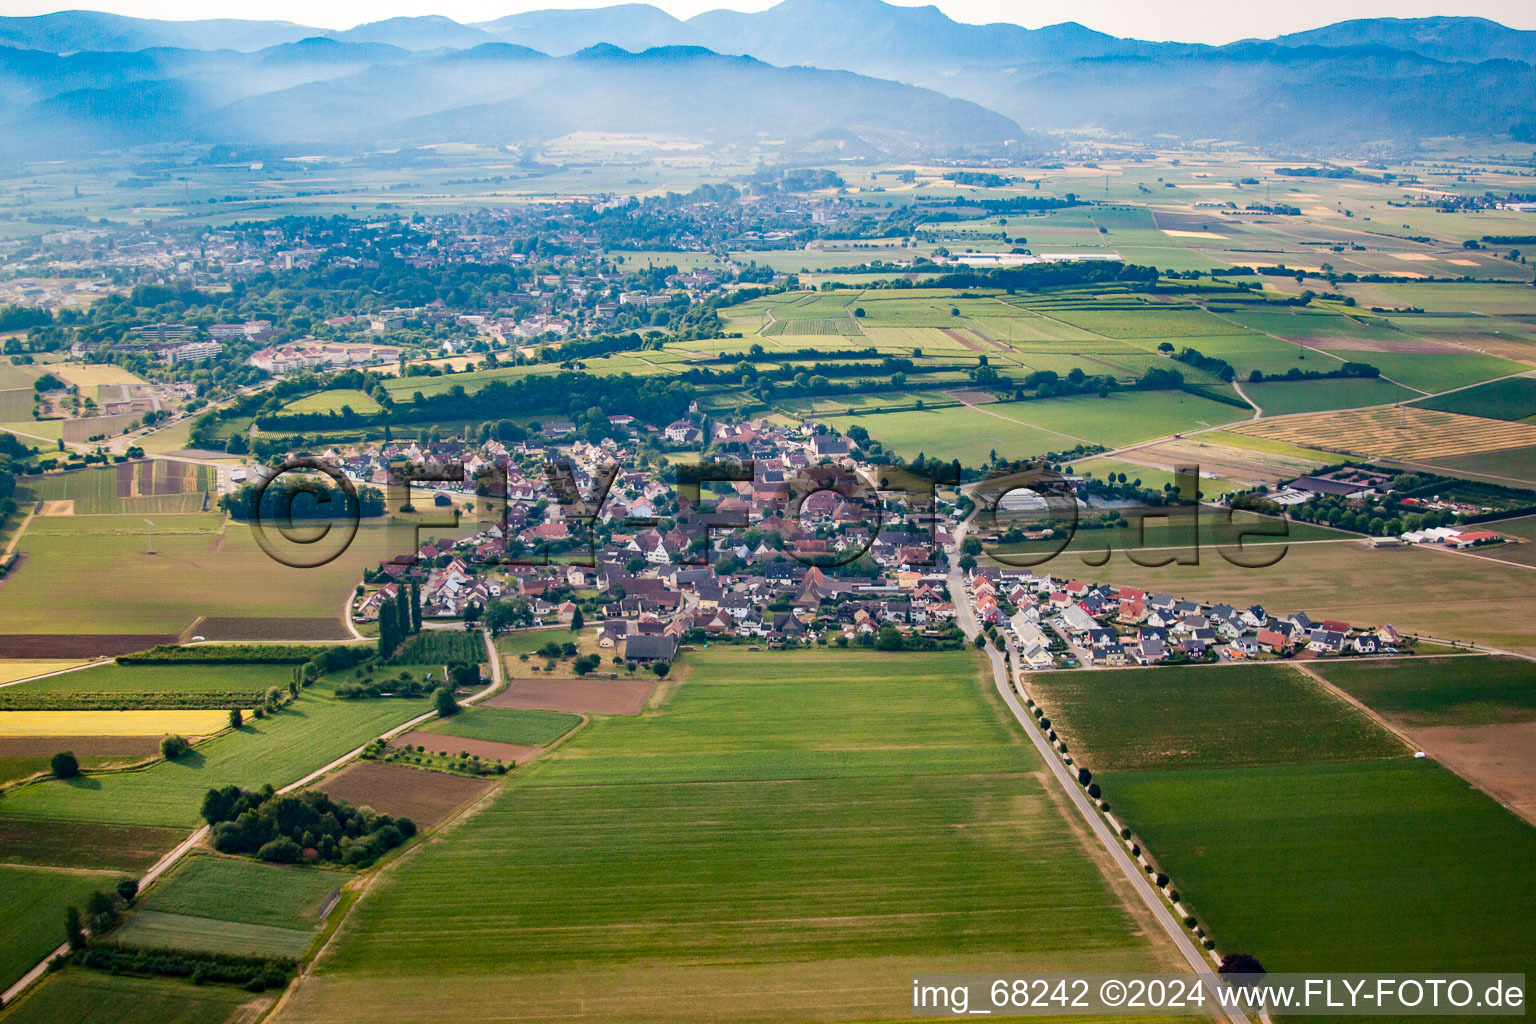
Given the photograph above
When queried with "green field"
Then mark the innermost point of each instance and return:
(1163, 533)
(92, 574)
(506, 725)
(158, 685)
(1441, 691)
(762, 832)
(1512, 399)
(1205, 717)
(1294, 827)
(78, 995)
(279, 749)
(1436, 371)
(1122, 418)
(233, 889)
(16, 404)
(152, 929)
(153, 487)
(334, 401)
(1019, 430)
(32, 902)
(1512, 465)
(1286, 397)
(1387, 865)
(77, 844)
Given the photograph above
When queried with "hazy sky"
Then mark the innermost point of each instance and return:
(1205, 21)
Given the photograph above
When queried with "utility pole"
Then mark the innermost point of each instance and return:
(149, 548)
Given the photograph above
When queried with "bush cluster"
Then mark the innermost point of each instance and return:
(300, 826)
(223, 654)
(255, 973)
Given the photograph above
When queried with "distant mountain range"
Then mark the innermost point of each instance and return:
(855, 75)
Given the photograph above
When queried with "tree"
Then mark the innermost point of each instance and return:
(173, 746)
(386, 629)
(890, 639)
(403, 611)
(980, 641)
(1240, 963)
(236, 718)
(73, 933)
(281, 851)
(577, 620)
(1084, 776)
(500, 616)
(127, 890)
(65, 765)
(661, 668)
(444, 700)
(415, 607)
(100, 911)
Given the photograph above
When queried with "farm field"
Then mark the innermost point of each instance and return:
(117, 999)
(1221, 463)
(580, 696)
(1425, 692)
(1122, 418)
(278, 749)
(13, 669)
(505, 725)
(1233, 776)
(824, 778)
(231, 905)
(1387, 865)
(1206, 717)
(15, 766)
(235, 889)
(955, 433)
(1400, 433)
(112, 723)
(59, 587)
(1320, 395)
(153, 487)
(1476, 715)
(32, 902)
(159, 685)
(90, 376)
(1512, 399)
(13, 377)
(78, 844)
(16, 404)
(1162, 533)
(1492, 300)
(334, 401)
(426, 797)
(1511, 465)
(152, 929)
(1436, 371)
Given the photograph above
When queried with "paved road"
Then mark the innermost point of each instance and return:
(1177, 934)
(189, 844)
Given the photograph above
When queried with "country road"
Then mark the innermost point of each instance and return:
(196, 839)
(1177, 934)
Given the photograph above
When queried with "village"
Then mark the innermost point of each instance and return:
(788, 557)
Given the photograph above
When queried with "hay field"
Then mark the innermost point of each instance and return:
(1400, 433)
